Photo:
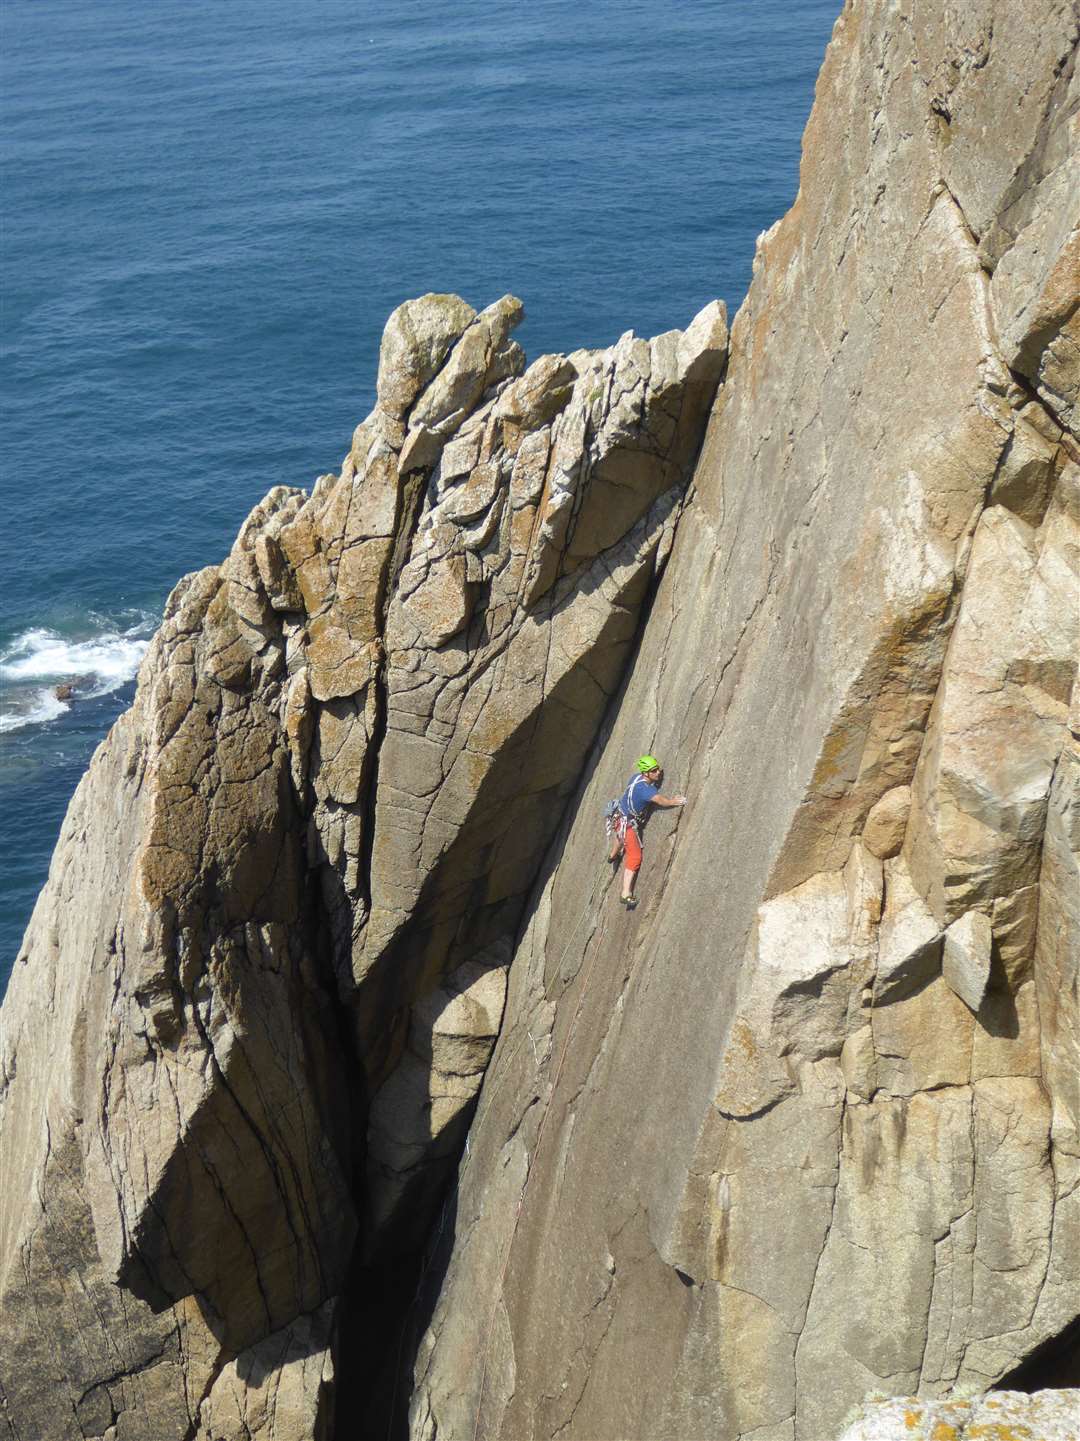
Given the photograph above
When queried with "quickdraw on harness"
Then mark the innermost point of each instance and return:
(615, 818)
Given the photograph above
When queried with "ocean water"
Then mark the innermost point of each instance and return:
(210, 209)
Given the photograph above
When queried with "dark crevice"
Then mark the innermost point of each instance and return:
(391, 1306)
(1055, 1363)
(385, 1310)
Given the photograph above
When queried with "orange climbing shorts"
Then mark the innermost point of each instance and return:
(631, 843)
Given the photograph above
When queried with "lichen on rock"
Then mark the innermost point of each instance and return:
(802, 1129)
(255, 1003)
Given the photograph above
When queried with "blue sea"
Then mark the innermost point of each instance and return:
(210, 208)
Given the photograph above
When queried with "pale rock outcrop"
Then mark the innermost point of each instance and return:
(981, 786)
(280, 1389)
(910, 940)
(802, 1129)
(966, 958)
(419, 1116)
(886, 822)
(255, 1002)
(745, 1158)
(999, 1416)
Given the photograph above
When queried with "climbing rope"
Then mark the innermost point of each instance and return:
(525, 1035)
(519, 1208)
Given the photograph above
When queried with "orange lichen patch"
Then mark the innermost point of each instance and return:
(944, 1432)
(1000, 1431)
(912, 1419)
(742, 1036)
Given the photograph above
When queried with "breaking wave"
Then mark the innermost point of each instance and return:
(93, 666)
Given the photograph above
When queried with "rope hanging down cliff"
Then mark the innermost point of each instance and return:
(540, 1133)
(590, 906)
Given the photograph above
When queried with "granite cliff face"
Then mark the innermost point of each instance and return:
(258, 994)
(802, 1128)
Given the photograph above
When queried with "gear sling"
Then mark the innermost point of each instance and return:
(627, 827)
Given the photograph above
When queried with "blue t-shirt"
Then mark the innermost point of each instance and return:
(634, 801)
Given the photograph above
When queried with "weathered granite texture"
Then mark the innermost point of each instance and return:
(256, 998)
(803, 1128)
(1000, 1416)
(806, 1125)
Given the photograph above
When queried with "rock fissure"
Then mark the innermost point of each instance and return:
(338, 862)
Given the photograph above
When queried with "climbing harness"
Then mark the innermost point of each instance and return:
(617, 821)
(615, 824)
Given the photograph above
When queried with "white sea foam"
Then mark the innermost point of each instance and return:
(112, 658)
(40, 707)
(100, 664)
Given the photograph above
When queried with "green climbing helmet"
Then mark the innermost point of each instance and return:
(647, 763)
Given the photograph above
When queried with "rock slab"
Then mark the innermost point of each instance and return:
(252, 1011)
(745, 1158)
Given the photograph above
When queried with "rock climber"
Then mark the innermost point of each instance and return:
(627, 816)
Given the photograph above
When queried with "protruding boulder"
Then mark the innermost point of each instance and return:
(416, 341)
(539, 394)
(1025, 474)
(909, 951)
(966, 958)
(886, 822)
(418, 1114)
(702, 347)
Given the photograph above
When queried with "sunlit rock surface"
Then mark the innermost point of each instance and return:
(803, 1128)
(253, 1008)
(1000, 1416)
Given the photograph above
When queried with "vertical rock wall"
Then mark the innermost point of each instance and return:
(258, 993)
(802, 1127)
(805, 1126)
